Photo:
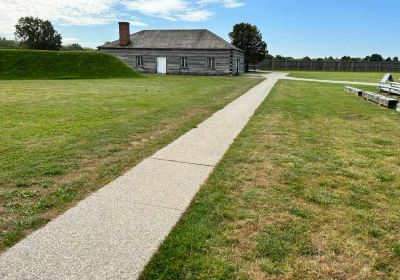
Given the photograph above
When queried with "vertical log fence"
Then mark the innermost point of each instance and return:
(314, 65)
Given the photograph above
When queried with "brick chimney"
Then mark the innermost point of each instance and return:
(124, 34)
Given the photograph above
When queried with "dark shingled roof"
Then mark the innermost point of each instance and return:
(173, 39)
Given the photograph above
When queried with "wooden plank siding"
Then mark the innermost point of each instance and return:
(238, 55)
(196, 60)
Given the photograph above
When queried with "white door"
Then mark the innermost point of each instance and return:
(161, 65)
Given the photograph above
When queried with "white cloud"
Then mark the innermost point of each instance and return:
(67, 41)
(97, 12)
(159, 8)
(73, 12)
(196, 15)
(137, 23)
(225, 3)
(233, 3)
(170, 9)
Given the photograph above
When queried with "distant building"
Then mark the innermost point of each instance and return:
(191, 51)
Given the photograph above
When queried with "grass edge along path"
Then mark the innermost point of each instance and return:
(309, 190)
(73, 137)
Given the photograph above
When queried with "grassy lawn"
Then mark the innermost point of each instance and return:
(309, 190)
(61, 140)
(369, 77)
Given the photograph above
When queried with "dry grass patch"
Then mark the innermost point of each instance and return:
(309, 190)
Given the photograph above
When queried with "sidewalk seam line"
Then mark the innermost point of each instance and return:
(184, 162)
(158, 206)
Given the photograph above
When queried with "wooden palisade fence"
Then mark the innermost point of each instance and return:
(330, 65)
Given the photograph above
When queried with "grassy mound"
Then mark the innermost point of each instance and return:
(28, 64)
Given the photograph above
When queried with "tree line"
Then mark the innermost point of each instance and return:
(37, 34)
(370, 58)
(13, 44)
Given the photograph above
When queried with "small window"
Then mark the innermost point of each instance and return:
(139, 61)
(211, 62)
(183, 62)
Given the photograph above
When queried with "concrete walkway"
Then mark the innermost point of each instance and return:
(284, 76)
(114, 232)
(330, 81)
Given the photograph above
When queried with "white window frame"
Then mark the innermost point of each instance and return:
(139, 61)
(211, 62)
(183, 62)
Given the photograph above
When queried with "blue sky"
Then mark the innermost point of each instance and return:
(298, 28)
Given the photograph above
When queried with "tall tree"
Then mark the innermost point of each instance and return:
(376, 57)
(34, 33)
(248, 38)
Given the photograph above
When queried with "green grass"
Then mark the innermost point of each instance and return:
(369, 77)
(309, 190)
(28, 64)
(61, 140)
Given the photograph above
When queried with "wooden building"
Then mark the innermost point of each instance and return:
(187, 51)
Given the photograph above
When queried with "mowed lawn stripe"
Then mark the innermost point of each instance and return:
(309, 190)
(61, 140)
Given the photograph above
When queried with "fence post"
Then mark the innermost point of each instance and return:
(331, 65)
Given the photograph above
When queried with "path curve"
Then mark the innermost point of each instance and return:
(330, 81)
(284, 76)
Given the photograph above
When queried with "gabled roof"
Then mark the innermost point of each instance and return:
(173, 39)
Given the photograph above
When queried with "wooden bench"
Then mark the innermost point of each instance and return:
(389, 89)
(380, 99)
(388, 85)
(353, 90)
(395, 85)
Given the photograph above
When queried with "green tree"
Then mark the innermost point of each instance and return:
(72, 47)
(395, 59)
(279, 57)
(269, 57)
(346, 58)
(8, 44)
(75, 47)
(34, 33)
(248, 38)
(376, 57)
